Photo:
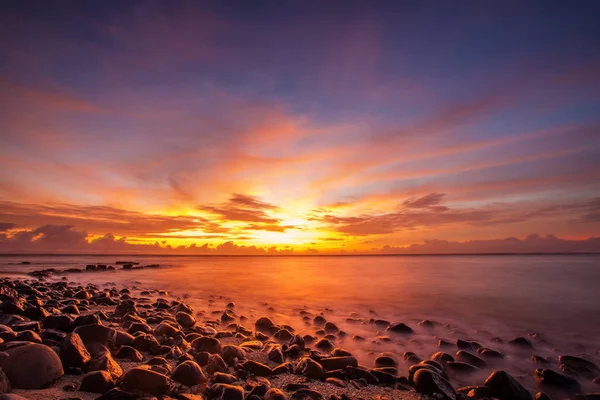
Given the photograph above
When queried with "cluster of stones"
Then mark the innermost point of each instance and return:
(127, 266)
(126, 347)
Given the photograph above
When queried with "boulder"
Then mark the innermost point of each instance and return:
(32, 366)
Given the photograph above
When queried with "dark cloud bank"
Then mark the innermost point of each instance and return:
(67, 239)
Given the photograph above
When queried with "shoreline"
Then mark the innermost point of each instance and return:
(254, 348)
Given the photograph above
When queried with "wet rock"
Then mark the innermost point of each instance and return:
(231, 353)
(429, 383)
(306, 394)
(442, 357)
(456, 368)
(62, 323)
(324, 345)
(32, 366)
(330, 327)
(105, 362)
(71, 309)
(215, 364)
(521, 343)
(144, 342)
(129, 353)
(97, 382)
(28, 336)
(146, 381)
(411, 358)
(88, 319)
(264, 325)
(275, 354)
(189, 373)
(504, 387)
(284, 368)
(208, 344)
(185, 320)
(118, 394)
(73, 352)
(283, 335)
(310, 368)
(385, 361)
(97, 334)
(165, 329)
(490, 355)
(256, 368)
(228, 392)
(275, 394)
(548, 378)
(333, 363)
(400, 328)
(4, 382)
(466, 357)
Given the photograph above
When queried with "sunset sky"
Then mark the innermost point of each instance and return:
(323, 126)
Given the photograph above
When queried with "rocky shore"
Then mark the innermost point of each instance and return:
(64, 340)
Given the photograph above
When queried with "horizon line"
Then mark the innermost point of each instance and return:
(295, 255)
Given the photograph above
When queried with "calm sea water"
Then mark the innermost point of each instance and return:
(557, 297)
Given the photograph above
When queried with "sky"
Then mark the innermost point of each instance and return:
(317, 126)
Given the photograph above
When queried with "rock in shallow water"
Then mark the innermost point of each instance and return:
(32, 366)
(505, 387)
(551, 379)
(429, 383)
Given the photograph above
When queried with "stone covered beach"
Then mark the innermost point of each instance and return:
(62, 337)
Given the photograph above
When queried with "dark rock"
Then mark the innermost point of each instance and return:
(456, 368)
(118, 394)
(97, 334)
(73, 352)
(542, 396)
(256, 368)
(333, 363)
(310, 368)
(466, 357)
(431, 384)
(208, 344)
(400, 328)
(97, 382)
(62, 323)
(32, 366)
(264, 325)
(231, 353)
(185, 320)
(442, 357)
(551, 379)
(146, 381)
(385, 361)
(521, 343)
(275, 394)
(228, 392)
(189, 373)
(105, 362)
(504, 387)
(324, 345)
(306, 394)
(129, 353)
